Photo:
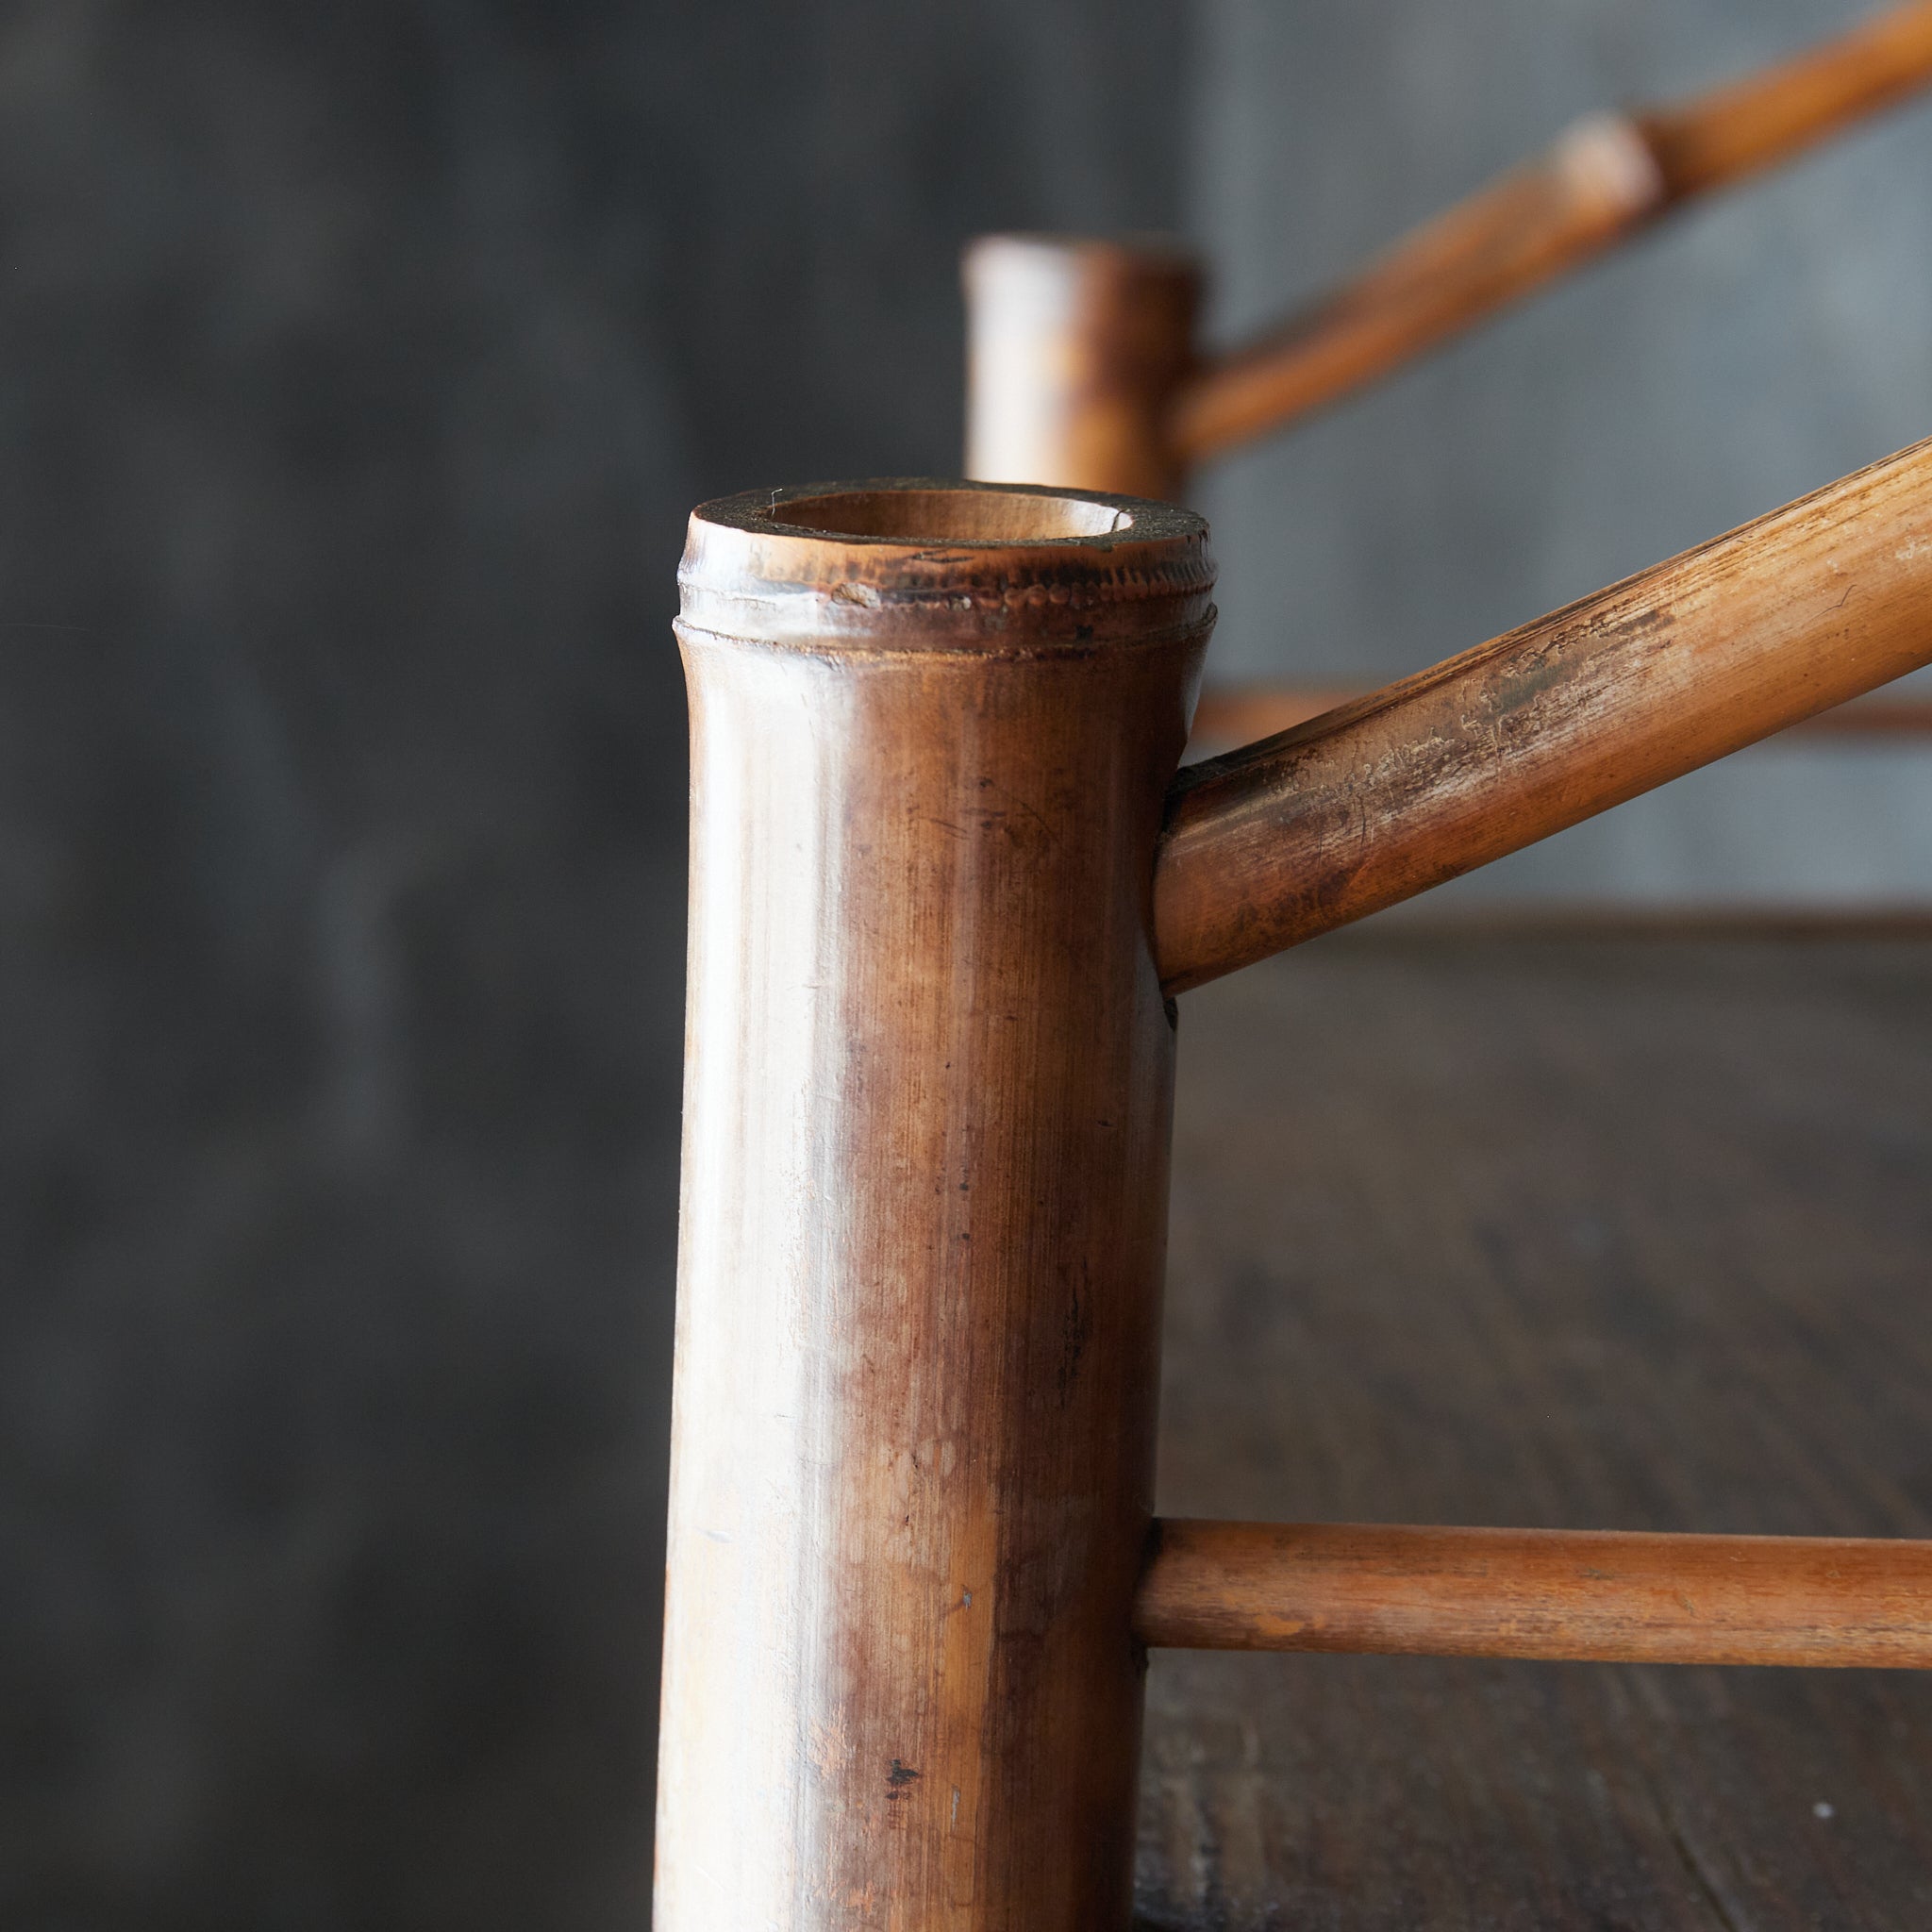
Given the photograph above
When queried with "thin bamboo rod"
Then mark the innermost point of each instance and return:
(1561, 1595)
(1604, 178)
(1368, 805)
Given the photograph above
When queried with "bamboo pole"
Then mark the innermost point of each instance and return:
(1074, 348)
(1740, 130)
(928, 1085)
(1562, 1596)
(1368, 805)
(1604, 179)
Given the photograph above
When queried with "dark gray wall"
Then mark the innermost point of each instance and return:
(357, 365)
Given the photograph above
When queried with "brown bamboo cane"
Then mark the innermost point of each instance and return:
(926, 1120)
(1239, 714)
(1073, 351)
(1604, 179)
(1816, 603)
(1082, 366)
(1568, 1596)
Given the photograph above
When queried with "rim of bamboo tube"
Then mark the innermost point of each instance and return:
(939, 563)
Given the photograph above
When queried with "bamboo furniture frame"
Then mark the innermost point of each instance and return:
(945, 888)
(1082, 366)
(1083, 369)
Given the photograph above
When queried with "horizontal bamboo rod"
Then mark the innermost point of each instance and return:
(1604, 178)
(1564, 1595)
(1807, 607)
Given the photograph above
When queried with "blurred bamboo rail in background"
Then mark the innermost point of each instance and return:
(1604, 179)
(1083, 371)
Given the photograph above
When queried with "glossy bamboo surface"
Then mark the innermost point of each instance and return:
(925, 1171)
(1564, 1595)
(1368, 805)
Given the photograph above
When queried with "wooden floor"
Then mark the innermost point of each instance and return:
(1571, 1231)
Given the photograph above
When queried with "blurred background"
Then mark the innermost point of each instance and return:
(359, 366)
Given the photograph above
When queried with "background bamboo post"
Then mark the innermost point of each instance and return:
(926, 1124)
(1075, 349)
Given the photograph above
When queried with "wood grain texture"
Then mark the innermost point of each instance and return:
(1073, 351)
(1368, 805)
(1604, 179)
(1229, 716)
(1564, 1232)
(926, 1123)
(1568, 1596)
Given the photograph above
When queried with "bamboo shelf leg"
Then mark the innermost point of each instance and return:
(926, 1175)
(1073, 351)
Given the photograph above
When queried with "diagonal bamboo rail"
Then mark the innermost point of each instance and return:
(1603, 180)
(1572, 1596)
(1083, 369)
(1819, 602)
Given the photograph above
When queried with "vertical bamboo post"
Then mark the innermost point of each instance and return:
(926, 1122)
(1074, 350)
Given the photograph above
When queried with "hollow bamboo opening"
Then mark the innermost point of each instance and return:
(940, 515)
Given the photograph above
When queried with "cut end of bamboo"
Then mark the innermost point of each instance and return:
(925, 563)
